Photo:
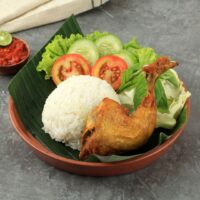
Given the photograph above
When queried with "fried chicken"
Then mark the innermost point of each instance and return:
(111, 130)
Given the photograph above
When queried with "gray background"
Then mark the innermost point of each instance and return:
(171, 27)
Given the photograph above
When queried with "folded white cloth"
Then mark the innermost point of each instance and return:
(10, 9)
(52, 11)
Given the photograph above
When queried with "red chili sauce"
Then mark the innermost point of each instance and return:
(13, 53)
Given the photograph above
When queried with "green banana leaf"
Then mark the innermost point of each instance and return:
(29, 91)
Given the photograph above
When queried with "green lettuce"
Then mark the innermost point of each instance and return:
(96, 35)
(134, 78)
(146, 56)
(132, 45)
(140, 55)
(46, 64)
(56, 48)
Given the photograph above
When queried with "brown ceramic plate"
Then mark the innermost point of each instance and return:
(12, 69)
(92, 168)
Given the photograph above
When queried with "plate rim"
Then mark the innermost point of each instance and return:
(27, 137)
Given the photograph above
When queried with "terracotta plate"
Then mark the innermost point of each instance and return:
(91, 168)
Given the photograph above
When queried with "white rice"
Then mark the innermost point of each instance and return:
(66, 109)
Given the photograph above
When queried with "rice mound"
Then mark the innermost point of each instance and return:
(66, 109)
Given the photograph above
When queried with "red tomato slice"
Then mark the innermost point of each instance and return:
(68, 65)
(110, 68)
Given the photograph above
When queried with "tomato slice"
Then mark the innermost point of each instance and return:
(110, 68)
(68, 65)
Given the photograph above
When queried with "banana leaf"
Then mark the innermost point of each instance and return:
(29, 91)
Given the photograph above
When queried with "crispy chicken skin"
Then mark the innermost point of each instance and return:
(111, 130)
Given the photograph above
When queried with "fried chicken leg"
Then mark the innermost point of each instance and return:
(111, 130)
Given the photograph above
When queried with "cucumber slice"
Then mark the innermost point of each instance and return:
(127, 57)
(86, 48)
(108, 45)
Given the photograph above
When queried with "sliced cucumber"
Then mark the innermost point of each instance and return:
(108, 44)
(127, 56)
(86, 48)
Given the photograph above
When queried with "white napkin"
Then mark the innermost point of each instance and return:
(52, 11)
(10, 9)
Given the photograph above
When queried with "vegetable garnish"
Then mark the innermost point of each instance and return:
(57, 47)
(5, 38)
(60, 45)
(127, 56)
(108, 44)
(86, 48)
(13, 53)
(68, 65)
(110, 68)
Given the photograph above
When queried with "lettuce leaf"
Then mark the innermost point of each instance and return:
(96, 35)
(146, 56)
(140, 55)
(57, 47)
(46, 64)
(132, 45)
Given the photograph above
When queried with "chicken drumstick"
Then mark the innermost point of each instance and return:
(111, 130)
